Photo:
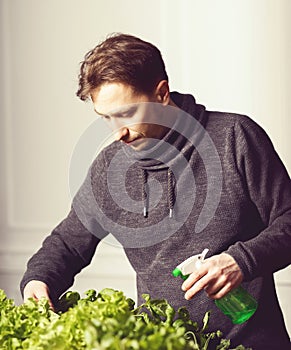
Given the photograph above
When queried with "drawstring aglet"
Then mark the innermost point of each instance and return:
(171, 213)
(145, 212)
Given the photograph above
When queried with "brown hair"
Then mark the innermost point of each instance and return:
(125, 59)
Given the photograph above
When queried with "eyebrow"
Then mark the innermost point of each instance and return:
(101, 114)
(119, 112)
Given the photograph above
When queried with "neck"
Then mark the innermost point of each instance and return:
(172, 103)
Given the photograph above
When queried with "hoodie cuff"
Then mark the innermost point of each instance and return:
(244, 259)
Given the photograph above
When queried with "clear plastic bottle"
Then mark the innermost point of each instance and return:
(238, 305)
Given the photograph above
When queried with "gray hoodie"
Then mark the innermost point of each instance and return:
(226, 189)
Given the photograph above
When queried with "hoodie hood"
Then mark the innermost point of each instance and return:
(188, 104)
(185, 125)
(172, 152)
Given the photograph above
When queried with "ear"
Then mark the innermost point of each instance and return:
(162, 92)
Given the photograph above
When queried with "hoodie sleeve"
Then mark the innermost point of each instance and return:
(63, 254)
(268, 186)
(72, 244)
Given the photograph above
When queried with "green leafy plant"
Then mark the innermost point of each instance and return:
(106, 320)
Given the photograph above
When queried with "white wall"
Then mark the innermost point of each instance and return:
(232, 55)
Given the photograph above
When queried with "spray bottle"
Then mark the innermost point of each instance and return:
(238, 304)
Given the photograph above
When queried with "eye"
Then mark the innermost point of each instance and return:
(103, 116)
(129, 113)
(123, 115)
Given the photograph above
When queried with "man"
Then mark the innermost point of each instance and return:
(178, 179)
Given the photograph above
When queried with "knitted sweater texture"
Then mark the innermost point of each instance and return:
(251, 222)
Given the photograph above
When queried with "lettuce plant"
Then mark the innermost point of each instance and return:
(106, 320)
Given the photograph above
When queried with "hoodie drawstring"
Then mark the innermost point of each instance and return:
(171, 192)
(145, 192)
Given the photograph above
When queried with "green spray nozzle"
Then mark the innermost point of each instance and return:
(190, 265)
(238, 304)
(176, 272)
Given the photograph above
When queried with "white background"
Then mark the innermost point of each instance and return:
(233, 55)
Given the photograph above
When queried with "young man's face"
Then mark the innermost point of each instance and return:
(128, 114)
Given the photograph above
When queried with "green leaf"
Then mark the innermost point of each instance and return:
(205, 320)
(104, 320)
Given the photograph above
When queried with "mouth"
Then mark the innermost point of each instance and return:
(129, 142)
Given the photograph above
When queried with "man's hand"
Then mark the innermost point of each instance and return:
(218, 275)
(36, 290)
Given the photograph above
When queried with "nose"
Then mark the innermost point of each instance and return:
(122, 133)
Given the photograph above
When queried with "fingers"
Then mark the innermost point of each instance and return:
(222, 291)
(194, 277)
(197, 287)
(195, 282)
(218, 275)
(222, 286)
(37, 290)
